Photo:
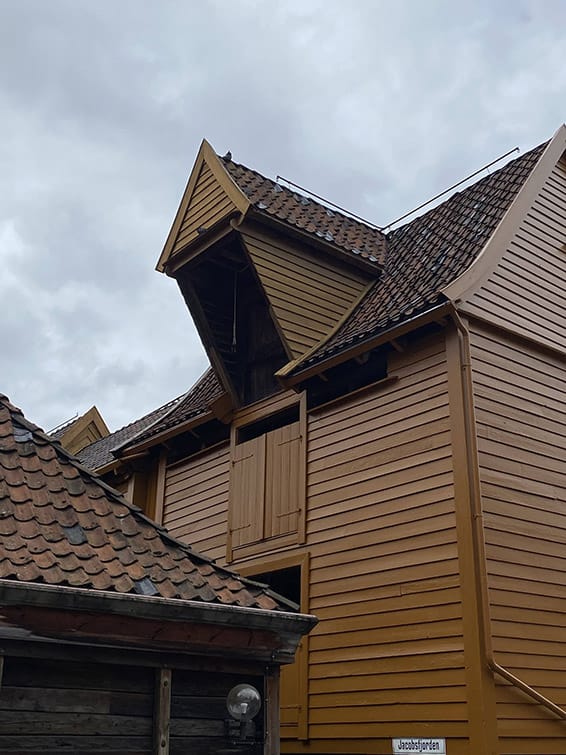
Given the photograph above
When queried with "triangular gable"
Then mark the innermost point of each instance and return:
(209, 198)
(517, 282)
(83, 431)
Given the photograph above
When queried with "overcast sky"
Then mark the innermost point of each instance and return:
(376, 105)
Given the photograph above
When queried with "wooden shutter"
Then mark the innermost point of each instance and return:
(247, 492)
(283, 480)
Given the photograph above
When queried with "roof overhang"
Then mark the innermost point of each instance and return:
(79, 615)
(293, 374)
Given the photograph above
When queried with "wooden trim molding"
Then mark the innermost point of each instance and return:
(496, 246)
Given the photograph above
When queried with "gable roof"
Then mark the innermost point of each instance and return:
(418, 260)
(62, 526)
(100, 453)
(81, 431)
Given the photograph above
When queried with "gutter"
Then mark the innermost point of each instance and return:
(477, 522)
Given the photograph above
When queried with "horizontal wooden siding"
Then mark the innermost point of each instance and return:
(520, 397)
(387, 656)
(526, 292)
(195, 506)
(309, 293)
(208, 205)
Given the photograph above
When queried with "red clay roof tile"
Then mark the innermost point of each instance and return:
(70, 528)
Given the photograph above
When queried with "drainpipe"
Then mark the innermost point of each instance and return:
(477, 520)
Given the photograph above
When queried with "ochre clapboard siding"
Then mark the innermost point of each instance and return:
(195, 506)
(208, 205)
(308, 292)
(382, 538)
(520, 399)
(526, 292)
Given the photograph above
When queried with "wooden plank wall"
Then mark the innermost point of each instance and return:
(196, 501)
(309, 293)
(208, 205)
(526, 292)
(520, 397)
(386, 659)
(198, 720)
(55, 707)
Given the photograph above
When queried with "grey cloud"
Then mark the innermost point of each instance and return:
(376, 105)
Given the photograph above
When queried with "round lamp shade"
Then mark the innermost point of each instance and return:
(243, 702)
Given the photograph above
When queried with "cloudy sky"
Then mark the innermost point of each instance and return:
(375, 104)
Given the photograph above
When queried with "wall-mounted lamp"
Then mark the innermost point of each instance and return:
(243, 703)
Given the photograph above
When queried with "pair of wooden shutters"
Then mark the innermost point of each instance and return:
(267, 485)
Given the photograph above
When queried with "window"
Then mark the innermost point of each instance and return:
(289, 576)
(267, 480)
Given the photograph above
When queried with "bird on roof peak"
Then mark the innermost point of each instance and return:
(227, 157)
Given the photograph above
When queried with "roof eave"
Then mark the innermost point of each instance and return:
(292, 377)
(340, 253)
(289, 627)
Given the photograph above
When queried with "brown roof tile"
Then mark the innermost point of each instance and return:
(351, 236)
(99, 453)
(429, 252)
(196, 401)
(71, 529)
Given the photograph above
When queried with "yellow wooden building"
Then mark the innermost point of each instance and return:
(381, 438)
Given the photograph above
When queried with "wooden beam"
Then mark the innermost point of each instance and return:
(162, 711)
(272, 724)
(160, 486)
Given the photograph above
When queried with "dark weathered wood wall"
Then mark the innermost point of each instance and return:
(57, 706)
(61, 707)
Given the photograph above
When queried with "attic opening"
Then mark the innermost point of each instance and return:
(232, 315)
(347, 377)
(197, 439)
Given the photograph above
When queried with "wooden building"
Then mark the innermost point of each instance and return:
(381, 437)
(115, 637)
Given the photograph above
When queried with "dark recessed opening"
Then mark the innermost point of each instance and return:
(285, 582)
(273, 422)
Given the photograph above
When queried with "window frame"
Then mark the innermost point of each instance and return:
(249, 416)
(276, 563)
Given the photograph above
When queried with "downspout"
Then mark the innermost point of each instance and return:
(477, 521)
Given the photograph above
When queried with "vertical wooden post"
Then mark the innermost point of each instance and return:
(162, 711)
(272, 725)
(160, 487)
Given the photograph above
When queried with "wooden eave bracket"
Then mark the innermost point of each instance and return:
(206, 154)
(143, 447)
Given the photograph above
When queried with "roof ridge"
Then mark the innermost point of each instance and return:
(333, 208)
